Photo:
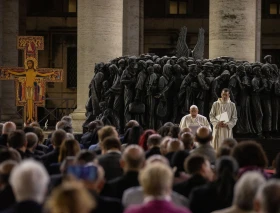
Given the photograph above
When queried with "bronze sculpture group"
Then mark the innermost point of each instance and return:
(154, 90)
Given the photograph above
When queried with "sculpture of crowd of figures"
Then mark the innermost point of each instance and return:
(154, 90)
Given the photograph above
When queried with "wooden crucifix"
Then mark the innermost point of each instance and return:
(30, 80)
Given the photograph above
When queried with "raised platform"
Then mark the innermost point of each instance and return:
(270, 146)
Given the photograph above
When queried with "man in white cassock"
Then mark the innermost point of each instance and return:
(223, 117)
(194, 120)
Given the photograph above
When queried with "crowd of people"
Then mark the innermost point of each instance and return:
(171, 170)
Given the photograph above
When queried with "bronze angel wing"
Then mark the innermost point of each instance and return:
(198, 51)
(182, 47)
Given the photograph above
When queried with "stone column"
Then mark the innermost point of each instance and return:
(133, 27)
(9, 17)
(100, 39)
(234, 29)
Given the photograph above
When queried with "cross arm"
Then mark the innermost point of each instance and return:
(51, 74)
(8, 73)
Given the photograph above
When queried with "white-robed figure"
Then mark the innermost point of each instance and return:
(194, 120)
(223, 117)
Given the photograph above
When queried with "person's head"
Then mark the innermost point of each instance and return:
(68, 147)
(267, 58)
(93, 125)
(29, 181)
(5, 170)
(249, 153)
(223, 150)
(106, 131)
(175, 145)
(267, 198)
(156, 179)
(163, 145)
(144, 138)
(70, 197)
(154, 140)
(230, 142)
(194, 111)
(188, 140)
(110, 143)
(32, 141)
(84, 157)
(185, 129)
(27, 129)
(133, 158)
(246, 189)
(9, 154)
(225, 94)
(35, 124)
(30, 64)
(203, 135)
(198, 164)
(64, 125)
(58, 136)
(163, 131)
(9, 127)
(17, 140)
(177, 162)
(67, 118)
(174, 132)
(40, 134)
(70, 136)
(226, 167)
(157, 158)
(131, 124)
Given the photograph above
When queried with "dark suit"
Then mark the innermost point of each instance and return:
(7, 198)
(22, 154)
(25, 207)
(153, 151)
(117, 186)
(87, 138)
(4, 139)
(107, 204)
(187, 186)
(50, 158)
(111, 165)
(169, 156)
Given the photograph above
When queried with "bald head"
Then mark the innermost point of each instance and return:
(193, 111)
(175, 145)
(203, 135)
(9, 127)
(133, 158)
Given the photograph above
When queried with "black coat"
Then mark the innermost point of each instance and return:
(25, 207)
(187, 186)
(153, 151)
(7, 198)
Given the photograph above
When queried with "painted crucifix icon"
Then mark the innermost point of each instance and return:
(30, 80)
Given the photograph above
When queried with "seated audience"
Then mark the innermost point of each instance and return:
(231, 142)
(66, 126)
(204, 137)
(29, 181)
(268, 196)
(35, 124)
(153, 144)
(132, 162)
(110, 158)
(57, 138)
(245, 191)
(144, 138)
(6, 193)
(68, 119)
(40, 146)
(199, 169)
(9, 154)
(8, 128)
(135, 195)
(250, 157)
(68, 147)
(70, 197)
(32, 141)
(174, 132)
(18, 141)
(133, 136)
(163, 145)
(156, 180)
(188, 141)
(185, 130)
(223, 150)
(84, 157)
(88, 138)
(177, 163)
(27, 129)
(218, 194)
(164, 131)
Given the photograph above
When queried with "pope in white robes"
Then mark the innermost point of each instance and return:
(194, 120)
(223, 117)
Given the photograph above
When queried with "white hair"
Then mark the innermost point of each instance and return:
(193, 106)
(29, 181)
(268, 196)
(69, 136)
(246, 189)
